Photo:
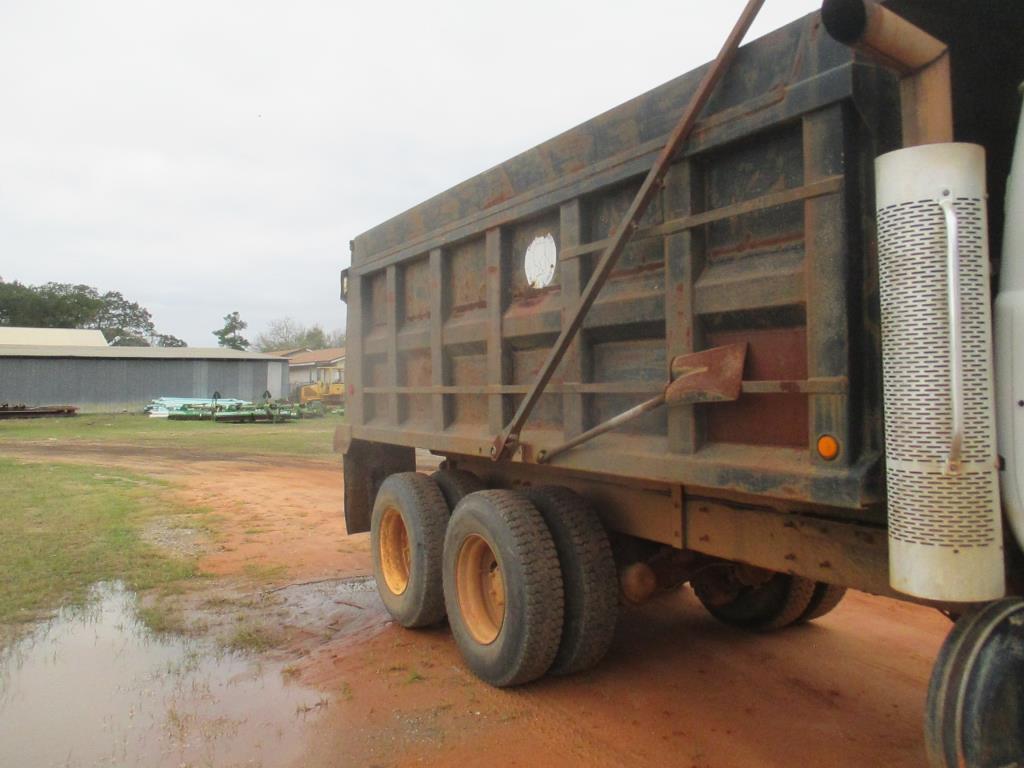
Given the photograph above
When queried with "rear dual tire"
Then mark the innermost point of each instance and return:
(456, 484)
(502, 587)
(588, 573)
(407, 531)
(527, 580)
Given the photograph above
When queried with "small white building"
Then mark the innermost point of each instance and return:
(51, 337)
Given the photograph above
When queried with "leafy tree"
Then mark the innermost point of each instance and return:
(66, 305)
(287, 333)
(166, 340)
(129, 341)
(314, 338)
(69, 306)
(230, 335)
(53, 305)
(124, 323)
(18, 303)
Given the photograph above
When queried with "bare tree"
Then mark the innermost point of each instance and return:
(288, 333)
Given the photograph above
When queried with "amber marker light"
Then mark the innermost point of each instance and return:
(828, 447)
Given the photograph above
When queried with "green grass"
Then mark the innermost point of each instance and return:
(64, 527)
(252, 639)
(308, 437)
(164, 618)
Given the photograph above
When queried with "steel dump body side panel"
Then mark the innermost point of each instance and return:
(757, 236)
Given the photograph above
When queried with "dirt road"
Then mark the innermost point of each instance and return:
(677, 689)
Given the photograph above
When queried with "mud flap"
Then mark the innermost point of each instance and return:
(366, 466)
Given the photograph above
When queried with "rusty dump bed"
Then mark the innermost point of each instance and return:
(762, 234)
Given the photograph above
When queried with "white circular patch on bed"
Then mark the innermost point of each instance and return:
(540, 261)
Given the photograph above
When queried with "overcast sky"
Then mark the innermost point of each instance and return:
(205, 157)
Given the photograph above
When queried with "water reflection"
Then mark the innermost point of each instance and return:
(94, 687)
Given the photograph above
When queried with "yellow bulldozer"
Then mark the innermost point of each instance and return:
(329, 387)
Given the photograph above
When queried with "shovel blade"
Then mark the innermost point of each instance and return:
(709, 376)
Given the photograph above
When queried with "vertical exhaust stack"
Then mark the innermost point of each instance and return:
(945, 530)
(921, 60)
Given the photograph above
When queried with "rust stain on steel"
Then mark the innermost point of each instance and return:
(867, 538)
(709, 376)
(481, 338)
(921, 60)
(762, 244)
(461, 309)
(649, 190)
(499, 198)
(21, 411)
(635, 412)
(651, 266)
(770, 98)
(528, 297)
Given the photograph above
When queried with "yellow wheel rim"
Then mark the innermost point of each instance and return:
(395, 551)
(481, 589)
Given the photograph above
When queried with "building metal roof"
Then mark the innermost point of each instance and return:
(288, 352)
(62, 337)
(153, 353)
(327, 356)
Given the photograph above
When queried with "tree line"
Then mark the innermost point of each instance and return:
(124, 323)
(282, 334)
(287, 333)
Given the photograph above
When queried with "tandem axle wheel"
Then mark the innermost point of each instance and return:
(495, 561)
(528, 582)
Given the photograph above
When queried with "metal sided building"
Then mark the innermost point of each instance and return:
(112, 379)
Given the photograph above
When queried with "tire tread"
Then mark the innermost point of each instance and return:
(455, 484)
(825, 599)
(532, 545)
(430, 510)
(798, 598)
(796, 595)
(588, 572)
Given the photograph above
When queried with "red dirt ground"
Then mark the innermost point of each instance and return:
(677, 689)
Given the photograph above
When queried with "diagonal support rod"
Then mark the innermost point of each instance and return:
(505, 442)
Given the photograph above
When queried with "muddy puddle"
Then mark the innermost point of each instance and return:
(95, 687)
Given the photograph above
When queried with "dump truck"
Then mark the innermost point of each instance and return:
(736, 333)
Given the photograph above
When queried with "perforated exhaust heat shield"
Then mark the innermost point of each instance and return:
(945, 535)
